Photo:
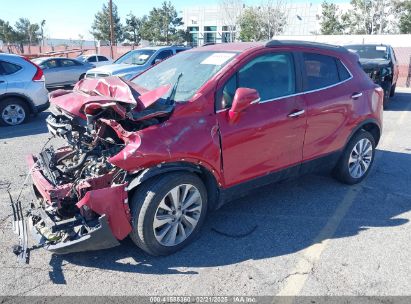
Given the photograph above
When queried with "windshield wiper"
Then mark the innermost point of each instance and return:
(174, 90)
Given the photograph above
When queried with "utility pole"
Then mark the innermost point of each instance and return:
(111, 28)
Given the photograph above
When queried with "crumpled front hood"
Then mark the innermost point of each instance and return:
(110, 91)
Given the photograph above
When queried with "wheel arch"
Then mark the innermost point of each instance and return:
(369, 125)
(203, 173)
(21, 97)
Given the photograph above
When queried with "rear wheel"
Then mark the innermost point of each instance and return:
(168, 212)
(357, 159)
(13, 112)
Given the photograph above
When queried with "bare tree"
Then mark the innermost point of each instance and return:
(273, 17)
(230, 11)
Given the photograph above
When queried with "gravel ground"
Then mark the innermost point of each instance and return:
(314, 236)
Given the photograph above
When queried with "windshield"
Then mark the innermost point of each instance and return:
(369, 51)
(138, 57)
(195, 69)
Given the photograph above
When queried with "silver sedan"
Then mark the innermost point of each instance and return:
(62, 71)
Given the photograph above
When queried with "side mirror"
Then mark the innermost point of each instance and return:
(157, 61)
(243, 98)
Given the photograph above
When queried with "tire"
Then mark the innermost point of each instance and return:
(392, 91)
(20, 111)
(145, 207)
(342, 170)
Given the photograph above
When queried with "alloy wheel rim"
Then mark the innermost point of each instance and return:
(13, 114)
(177, 215)
(360, 158)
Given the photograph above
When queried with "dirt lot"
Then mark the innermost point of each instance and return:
(313, 236)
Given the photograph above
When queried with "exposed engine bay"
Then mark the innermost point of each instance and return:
(81, 197)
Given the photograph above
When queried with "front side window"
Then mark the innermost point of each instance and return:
(52, 63)
(92, 59)
(164, 55)
(320, 71)
(8, 68)
(102, 58)
(196, 68)
(272, 75)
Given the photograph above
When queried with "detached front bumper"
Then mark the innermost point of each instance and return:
(110, 224)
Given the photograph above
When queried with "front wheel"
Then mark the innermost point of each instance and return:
(168, 212)
(357, 159)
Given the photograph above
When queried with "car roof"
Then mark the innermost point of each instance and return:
(244, 46)
(8, 55)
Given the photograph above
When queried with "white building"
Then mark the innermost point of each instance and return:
(214, 24)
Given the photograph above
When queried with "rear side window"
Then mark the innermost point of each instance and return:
(102, 58)
(8, 68)
(320, 71)
(342, 71)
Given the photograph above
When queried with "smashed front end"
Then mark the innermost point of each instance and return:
(80, 198)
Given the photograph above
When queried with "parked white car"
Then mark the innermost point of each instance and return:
(95, 59)
(22, 90)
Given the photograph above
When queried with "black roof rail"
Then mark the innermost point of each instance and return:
(318, 45)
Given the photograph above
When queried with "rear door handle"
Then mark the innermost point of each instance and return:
(1, 81)
(356, 95)
(296, 114)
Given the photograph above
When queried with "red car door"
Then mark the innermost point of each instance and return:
(329, 97)
(268, 136)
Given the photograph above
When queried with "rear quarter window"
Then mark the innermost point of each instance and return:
(343, 73)
(320, 71)
(8, 68)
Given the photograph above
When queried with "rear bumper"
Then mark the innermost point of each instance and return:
(41, 108)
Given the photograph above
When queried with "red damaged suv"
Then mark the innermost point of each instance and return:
(150, 157)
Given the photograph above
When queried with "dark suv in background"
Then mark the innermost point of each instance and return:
(380, 63)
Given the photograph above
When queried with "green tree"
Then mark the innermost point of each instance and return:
(330, 21)
(100, 29)
(27, 32)
(403, 11)
(250, 25)
(273, 15)
(162, 24)
(7, 34)
(133, 28)
(369, 17)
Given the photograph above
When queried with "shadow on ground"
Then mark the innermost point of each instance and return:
(287, 217)
(400, 102)
(36, 125)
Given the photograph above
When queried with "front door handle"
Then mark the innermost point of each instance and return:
(356, 95)
(296, 114)
(1, 81)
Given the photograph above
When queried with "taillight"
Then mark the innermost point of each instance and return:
(39, 75)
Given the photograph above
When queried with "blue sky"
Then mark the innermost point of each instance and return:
(67, 19)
